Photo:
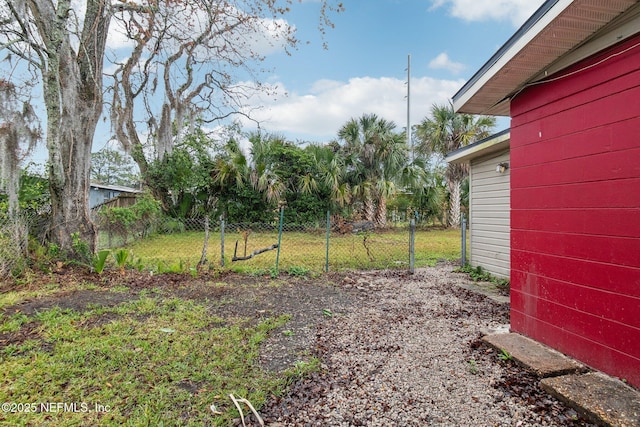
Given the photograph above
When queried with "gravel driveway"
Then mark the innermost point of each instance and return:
(405, 352)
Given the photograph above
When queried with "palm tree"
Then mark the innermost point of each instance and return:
(263, 174)
(374, 156)
(328, 172)
(422, 187)
(447, 131)
(306, 179)
(231, 166)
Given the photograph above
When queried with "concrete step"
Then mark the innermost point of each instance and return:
(600, 398)
(536, 357)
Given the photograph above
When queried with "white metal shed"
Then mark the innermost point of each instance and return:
(489, 202)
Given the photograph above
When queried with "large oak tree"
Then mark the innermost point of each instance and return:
(181, 61)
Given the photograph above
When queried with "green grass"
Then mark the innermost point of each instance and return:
(305, 250)
(148, 362)
(25, 290)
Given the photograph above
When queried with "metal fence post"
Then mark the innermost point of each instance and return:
(463, 258)
(412, 245)
(326, 263)
(279, 239)
(222, 242)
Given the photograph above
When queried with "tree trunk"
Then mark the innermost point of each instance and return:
(381, 212)
(69, 187)
(205, 245)
(454, 204)
(69, 138)
(369, 209)
(72, 91)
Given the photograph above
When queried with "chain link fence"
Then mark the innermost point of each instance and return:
(179, 245)
(14, 238)
(257, 247)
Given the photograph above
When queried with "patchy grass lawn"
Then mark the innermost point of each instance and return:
(111, 351)
(140, 348)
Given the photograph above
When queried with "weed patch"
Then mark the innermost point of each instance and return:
(478, 274)
(150, 361)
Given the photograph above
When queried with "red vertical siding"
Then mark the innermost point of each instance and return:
(575, 212)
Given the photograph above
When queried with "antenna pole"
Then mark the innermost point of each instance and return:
(409, 141)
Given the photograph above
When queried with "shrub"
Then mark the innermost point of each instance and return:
(172, 225)
(138, 219)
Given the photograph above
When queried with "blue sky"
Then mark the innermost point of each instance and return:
(364, 68)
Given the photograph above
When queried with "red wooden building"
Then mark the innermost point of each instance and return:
(570, 81)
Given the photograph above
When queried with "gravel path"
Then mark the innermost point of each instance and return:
(406, 353)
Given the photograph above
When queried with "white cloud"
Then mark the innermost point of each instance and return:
(117, 37)
(271, 36)
(318, 114)
(516, 11)
(442, 61)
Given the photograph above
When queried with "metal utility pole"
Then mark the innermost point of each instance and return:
(409, 141)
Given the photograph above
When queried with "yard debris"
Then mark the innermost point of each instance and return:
(237, 401)
(214, 410)
(254, 253)
(348, 280)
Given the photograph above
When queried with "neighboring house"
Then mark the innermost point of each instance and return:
(569, 78)
(99, 194)
(489, 205)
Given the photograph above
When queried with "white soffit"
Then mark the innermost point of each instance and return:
(559, 34)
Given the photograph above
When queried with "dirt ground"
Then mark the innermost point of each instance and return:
(313, 303)
(228, 295)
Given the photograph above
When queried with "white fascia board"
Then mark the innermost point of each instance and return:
(476, 150)
(513, 50)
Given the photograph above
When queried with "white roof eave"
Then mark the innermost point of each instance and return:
(492, 144)
(513, 49)
(555, 37)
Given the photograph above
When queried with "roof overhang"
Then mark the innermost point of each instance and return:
(560, 33)
(114, 188)
(493, 144)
